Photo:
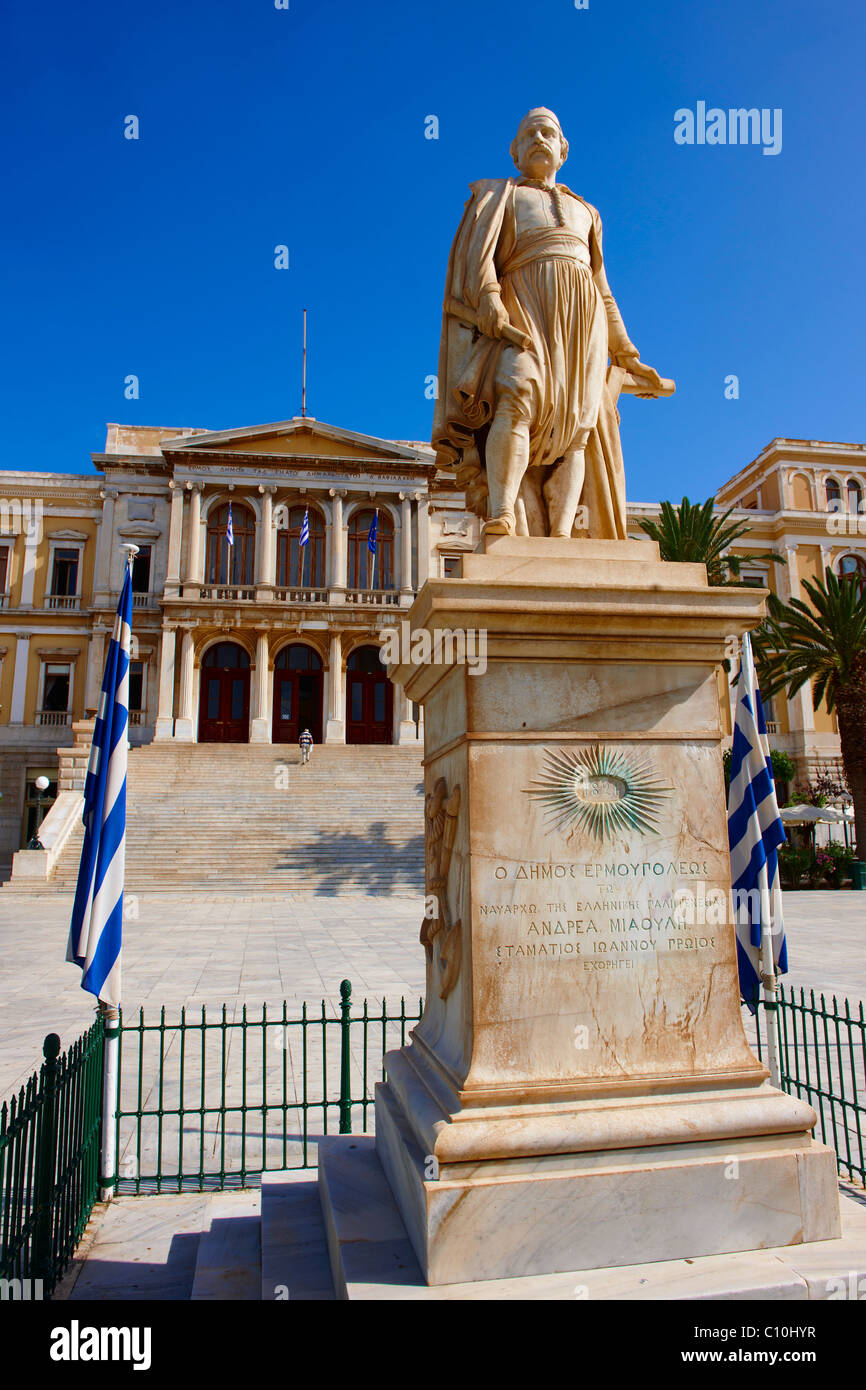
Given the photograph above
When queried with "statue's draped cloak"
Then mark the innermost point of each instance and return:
(468, 361)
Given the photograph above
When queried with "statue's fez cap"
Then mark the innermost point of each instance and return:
(540, 111)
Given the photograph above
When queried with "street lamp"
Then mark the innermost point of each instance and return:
(42, 784)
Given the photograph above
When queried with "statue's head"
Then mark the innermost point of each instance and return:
(539, 148)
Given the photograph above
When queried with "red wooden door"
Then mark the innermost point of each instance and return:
(224, 701)
(369, 699)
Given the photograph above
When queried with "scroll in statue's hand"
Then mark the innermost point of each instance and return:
(642, 373)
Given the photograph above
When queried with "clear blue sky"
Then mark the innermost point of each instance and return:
(261, 126)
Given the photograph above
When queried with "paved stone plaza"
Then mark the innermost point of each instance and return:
(200, 949)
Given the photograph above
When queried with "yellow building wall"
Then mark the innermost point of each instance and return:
(801, 494)
(771, 499)
(7, 674)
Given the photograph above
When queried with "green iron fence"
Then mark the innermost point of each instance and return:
(214, 1099)
(822, 1059)
(49, 1161)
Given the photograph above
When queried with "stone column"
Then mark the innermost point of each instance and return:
(104, 547)
(95, 662)
(801, 716)
(423, 539)
(193, 553)
(404, 724)
(267, 542)
(260, 724)
(337, 556)
(175, 537)
(335, 728)
(405, 548)
(165, 709)
(19, 679)
(184, 728)
(28, 573)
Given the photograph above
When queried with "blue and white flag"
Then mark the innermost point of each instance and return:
(305, 528)
(755, 832)
(97, 914)
(230, 530)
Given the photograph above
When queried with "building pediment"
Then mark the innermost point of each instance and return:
(302, 439)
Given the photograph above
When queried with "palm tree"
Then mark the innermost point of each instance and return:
(691, 532)
(823, 642)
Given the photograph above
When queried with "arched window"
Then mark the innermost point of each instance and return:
(855, 496)
(366, 659)
(230, 564)
(298, 658)
(301, 564)
(853, 567)
(834, 495)
(365, 567)
(228, 655)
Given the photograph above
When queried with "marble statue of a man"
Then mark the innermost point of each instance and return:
(526, 405)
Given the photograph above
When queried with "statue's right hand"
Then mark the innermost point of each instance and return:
(492, 318)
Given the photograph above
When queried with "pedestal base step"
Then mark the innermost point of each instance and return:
(372, 1257)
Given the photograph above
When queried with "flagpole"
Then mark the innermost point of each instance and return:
(110, 1015)
(375, 551)
(770, 983)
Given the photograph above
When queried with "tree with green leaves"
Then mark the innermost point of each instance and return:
(691, 532)
(823, 642)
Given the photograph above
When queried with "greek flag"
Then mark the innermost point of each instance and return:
(755, 832)
(97, 914)
(305, 528)
(230, 530)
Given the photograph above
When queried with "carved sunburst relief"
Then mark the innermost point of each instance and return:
(601, 791)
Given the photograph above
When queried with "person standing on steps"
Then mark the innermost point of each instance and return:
(306, 744)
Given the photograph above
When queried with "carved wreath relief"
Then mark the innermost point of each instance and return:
(440, 825)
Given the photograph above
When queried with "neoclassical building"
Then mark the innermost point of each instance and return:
(249, 641)
(255, 640)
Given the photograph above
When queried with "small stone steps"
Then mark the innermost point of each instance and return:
(229, 1260)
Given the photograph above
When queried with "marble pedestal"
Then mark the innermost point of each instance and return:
(580, 1092)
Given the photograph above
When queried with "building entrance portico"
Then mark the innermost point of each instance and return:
(298, 692)
(224, 700)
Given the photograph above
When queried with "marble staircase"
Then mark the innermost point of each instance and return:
(247, 818)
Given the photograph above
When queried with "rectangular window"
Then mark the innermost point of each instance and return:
(136, 684)
(452, 566)
(57, 686)
(238, 690)
(4, 568)
(379, 701)
(64, 580)
(141, 571)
